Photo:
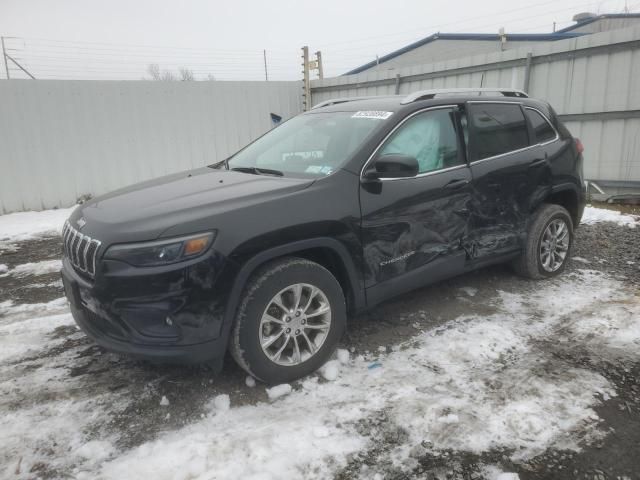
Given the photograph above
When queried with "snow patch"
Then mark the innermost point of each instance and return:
(17, 227)
(3, 268)
(593, 215)
(25, 328)
(95, 450)
(330, 370)
(278, 391)
(474, 384)
(581, 260)
(37, 268)
(450, 418)
(508, 476)
(491, 472)
(18, 312)
(470, 291)
(222, 402)
(343, 356)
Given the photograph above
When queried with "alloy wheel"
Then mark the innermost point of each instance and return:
(295, 324)
(554, 245)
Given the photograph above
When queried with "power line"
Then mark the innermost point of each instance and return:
(493, 24)
(79, 57)
(125, 45)
(436, 26)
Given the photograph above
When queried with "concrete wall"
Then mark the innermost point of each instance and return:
(593, 82)
(60, 140)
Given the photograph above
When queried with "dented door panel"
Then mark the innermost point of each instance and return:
(412, 222)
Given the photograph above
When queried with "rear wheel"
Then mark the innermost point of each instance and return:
(290, 320)
(548, 243)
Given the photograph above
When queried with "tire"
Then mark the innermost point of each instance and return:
(530, 264)
(282, 280)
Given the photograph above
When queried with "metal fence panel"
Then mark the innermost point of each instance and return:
(60, 140)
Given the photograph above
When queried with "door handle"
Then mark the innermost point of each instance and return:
(538, 162)
(456, 184)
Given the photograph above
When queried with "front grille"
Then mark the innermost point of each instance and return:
(80, 249)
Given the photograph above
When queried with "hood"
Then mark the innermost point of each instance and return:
(145, 210)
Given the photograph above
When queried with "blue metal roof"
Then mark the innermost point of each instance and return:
(511, 37)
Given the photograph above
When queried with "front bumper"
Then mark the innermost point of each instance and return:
(172, 314)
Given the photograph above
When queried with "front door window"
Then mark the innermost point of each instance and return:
(430, 137)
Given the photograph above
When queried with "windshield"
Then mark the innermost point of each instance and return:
(312, 145)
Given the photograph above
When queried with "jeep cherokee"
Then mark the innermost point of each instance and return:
(265, 253)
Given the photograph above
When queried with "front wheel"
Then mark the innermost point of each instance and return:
(548, 243)
(290, 320)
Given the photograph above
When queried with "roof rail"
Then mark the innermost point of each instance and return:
(335, 101)
(428, 94)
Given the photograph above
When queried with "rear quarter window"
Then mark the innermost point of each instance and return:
(496, 129)
(542, 129)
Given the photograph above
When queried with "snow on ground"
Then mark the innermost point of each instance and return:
(24, 328)
(52, 424)
(475, 384)
(16, 227)
(35, 268)
(596, 215)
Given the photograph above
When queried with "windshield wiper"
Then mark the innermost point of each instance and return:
(258, 171)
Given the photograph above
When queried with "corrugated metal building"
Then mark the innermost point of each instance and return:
(445, 46)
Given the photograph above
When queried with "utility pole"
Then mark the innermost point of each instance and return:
(266, 74)
(4, 57)
(8, 57)
(319, 64)
(306, 86)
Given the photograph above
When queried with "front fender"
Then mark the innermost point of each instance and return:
(252, 264)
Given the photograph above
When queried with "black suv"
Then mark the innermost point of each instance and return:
(266, 253)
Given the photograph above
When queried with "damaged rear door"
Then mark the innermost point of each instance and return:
(412, 228)
(503, 167)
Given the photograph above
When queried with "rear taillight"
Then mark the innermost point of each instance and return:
(579, 146)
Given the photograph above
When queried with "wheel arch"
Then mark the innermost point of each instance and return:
(326, 251)
(566, 196)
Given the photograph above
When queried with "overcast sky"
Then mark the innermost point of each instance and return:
(118, 38)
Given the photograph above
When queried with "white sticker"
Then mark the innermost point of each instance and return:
(375, 114)
(314, 169)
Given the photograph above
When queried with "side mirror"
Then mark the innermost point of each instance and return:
(393, 165)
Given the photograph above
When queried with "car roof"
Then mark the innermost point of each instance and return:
(394, 103)
(389, 103)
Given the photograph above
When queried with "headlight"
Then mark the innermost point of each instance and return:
(161, 252)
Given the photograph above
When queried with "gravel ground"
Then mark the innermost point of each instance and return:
(94, 373)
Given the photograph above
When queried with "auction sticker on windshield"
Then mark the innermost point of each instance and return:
(375, 114)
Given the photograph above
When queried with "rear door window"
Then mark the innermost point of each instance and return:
(496, 129)
(542, 129)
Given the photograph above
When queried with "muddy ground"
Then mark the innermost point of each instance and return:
(607, 247)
